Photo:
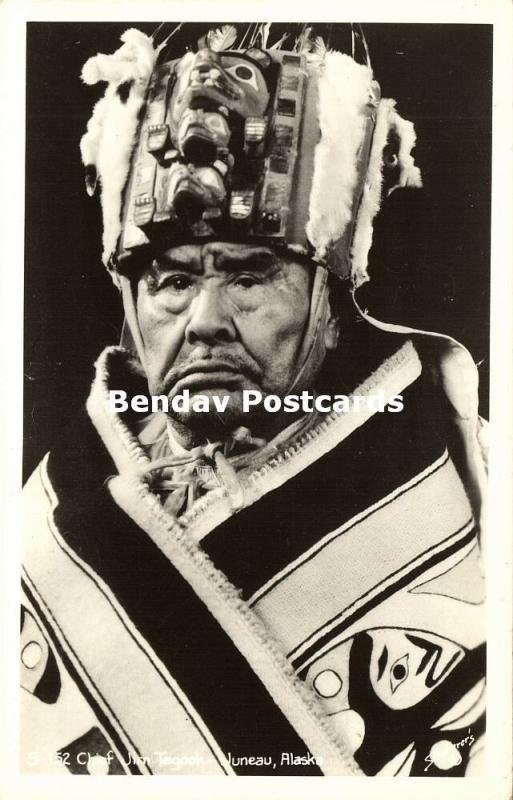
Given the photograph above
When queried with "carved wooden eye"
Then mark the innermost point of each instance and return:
(244, 73)
(217, 123)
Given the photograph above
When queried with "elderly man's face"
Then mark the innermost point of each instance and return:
(222, 318)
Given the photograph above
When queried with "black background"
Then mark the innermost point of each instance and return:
(430, 259)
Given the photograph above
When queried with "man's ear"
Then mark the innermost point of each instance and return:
(331, 332)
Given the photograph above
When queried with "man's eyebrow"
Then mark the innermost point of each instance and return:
(254, 260)
(166, 262)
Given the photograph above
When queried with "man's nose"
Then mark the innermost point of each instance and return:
(210, 318)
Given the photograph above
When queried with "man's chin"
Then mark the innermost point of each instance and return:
(212, 411)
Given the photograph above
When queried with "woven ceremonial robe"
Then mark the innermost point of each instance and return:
(339, 612)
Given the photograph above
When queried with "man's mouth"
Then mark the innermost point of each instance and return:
(207, 366)
(207, 374)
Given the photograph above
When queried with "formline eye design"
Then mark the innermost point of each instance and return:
(399, 672)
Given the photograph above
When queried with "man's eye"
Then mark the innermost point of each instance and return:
(245, 281)
(179, 283)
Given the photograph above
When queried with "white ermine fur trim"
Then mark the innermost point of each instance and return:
(344, 90)
(111, 131)
(371, 197)
(132, 61)
(409, 175)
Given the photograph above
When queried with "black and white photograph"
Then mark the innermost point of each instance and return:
(256, 399)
